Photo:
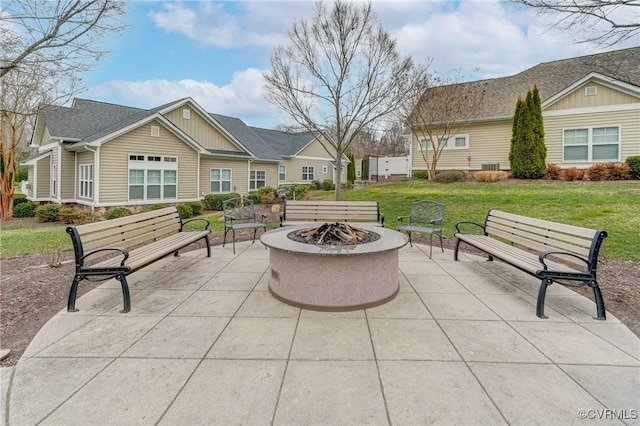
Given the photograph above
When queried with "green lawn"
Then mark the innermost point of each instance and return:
(611, 206)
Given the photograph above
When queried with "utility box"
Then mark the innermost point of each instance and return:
(490, 166)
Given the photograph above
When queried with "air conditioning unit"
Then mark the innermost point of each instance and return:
(490, 166)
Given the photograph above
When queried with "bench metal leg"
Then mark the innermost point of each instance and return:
(206, 239)
(455, 251)
(599, 301)
(541, 295)
(125, 293)
(71, 304)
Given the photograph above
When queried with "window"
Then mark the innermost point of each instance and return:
(186, 114)
(155, 131)
(153, 177)
(282, 172)
(591, 90)
(592, 144)
(325, 170)
(257, 179)
(453, 142)
(308, 173)
(220, 181)
(86, 180)
(54, 180)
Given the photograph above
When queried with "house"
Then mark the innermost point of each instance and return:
(590, 108)
(102, 155)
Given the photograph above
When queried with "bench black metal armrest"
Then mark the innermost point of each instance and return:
(381, 219)
(462, 222)
(124, 251)
(193, 220)
(542, 257)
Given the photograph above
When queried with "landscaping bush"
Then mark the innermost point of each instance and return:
(316, 185)
(598, 172)
(421, 175)
(48, 212)
(619, 171)
(553, 172)
(634, 165)
(571, 174)
(214, 201)
(328, 185)
(300, 191)
(450, 176)
(267, 198)
(254, 196)
(72, 216)
(196, 207)
(490, 176)
(157, 206)
(25, 210)
(185, 211)
(117, 212)
(19, 199)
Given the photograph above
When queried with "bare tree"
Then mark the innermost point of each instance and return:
(444, 111)
(341, 70)
(621, 18)
(44, 48)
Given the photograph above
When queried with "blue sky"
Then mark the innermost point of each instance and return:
(215, 52)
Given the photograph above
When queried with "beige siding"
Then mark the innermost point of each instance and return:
(55, 160)
(271, 172)
(43, 189)
(84, 157)
(605, 96)
(239, 174)
(315, 149)
(200, 130)
(488, 143)
(114, 160)
(68, 175)
(629, 122)
(294, 169)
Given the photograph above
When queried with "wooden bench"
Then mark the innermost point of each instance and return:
(117, 247)
(550, 251)
(298, 212)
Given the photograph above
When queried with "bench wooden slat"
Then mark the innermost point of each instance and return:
(520, 240)
(149, 236)
(314, 211)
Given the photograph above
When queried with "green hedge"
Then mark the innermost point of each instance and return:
(634, 163)
(117, 212)
(214, 201)
(25, 210)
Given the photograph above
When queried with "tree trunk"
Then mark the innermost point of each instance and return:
(338, 181)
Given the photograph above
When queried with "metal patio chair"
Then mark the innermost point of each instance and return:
(239, 213)
(426, 218)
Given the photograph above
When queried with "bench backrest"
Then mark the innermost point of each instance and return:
(542, 235)
(126, 231)
(241, 209)
(311, 211)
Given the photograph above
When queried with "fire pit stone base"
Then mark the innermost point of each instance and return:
(334, 278)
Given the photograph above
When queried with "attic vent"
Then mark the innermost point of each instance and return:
(186, 114)
(155, 131)
(590, 90)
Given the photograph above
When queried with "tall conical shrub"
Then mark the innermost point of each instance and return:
(528, 152)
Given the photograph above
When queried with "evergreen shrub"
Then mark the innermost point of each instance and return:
(72, 216)
(214, 201)
(450, 176)
(634, 164)
(117, 212)
(328, 185)
(19, 199)
(27, 209)
(48, 212)
(185, 211)
(196, 207)
(420, 175)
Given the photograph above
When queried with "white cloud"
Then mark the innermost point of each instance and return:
(241, 98)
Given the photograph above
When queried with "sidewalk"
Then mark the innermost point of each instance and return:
(206, 343)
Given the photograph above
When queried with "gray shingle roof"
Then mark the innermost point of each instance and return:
(500, 94)
(246, 136)
(285, 144)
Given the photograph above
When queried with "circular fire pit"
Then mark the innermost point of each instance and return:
(333, 277)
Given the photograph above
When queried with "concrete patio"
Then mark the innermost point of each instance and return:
(206, 343)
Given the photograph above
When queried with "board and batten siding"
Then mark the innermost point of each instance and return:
(628, 121)
(315, 149)
(489, 142)
(239, 174)
(271, 172)
(200, 130)
(605, 96)
(114, 161)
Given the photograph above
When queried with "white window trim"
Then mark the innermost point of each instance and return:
(54, 180)
(325, 170)
(253, 181)
(88, 181)
(590, 145)
(155, 131)
(221, 180)
(311, 170)
(423, 142)
(186, 114)
(283, 167)
(147, 162)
